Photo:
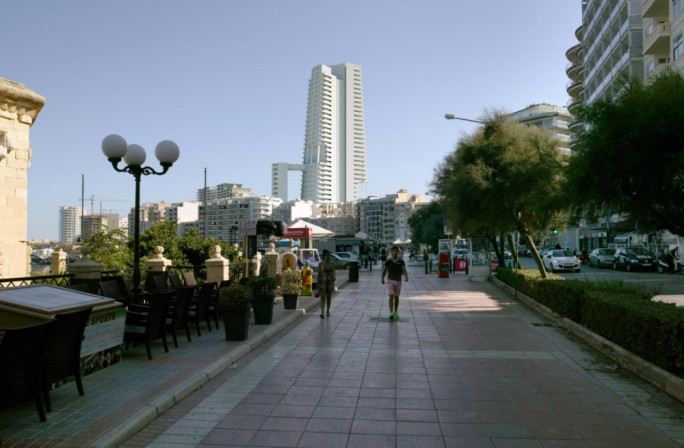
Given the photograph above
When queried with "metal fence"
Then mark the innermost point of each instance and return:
(56, 280)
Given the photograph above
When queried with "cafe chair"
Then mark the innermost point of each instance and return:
(81, 287)
(146, 324)
(199, 311)
(22, 357)
(64, 351)
(176, 282)
(161, 283)
(179, 313)
(189, 279)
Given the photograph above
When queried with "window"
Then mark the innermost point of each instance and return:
(677, 46)
(676, 7)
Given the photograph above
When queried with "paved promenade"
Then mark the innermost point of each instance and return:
(466, 367)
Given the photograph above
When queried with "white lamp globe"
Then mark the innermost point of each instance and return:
(114, 146)
(135, 155)
(167, 152)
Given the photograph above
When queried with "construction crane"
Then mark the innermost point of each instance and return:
(93, 199)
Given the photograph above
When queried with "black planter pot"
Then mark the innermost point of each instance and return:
(236, 323)
(263, 309)
(290, 301)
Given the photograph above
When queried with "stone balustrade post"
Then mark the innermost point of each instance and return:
(156, 266)
(271, 260)
(255, 264)
(58, 262)
(217, 267)
(86, 271)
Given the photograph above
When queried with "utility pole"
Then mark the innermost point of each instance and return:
(82, 205)
(205, 203)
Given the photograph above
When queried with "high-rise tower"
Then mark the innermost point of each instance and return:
(334, 161)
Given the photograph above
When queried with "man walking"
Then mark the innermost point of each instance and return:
(396, 267)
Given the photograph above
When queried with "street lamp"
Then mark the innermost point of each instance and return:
(115, 148)
(452, 117)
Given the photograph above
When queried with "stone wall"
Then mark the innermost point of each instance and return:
(19, 108)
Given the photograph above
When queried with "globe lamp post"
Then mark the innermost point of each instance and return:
(115, 148)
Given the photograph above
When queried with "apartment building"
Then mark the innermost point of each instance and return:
(150, 214)
(92, 224)
(663, 36)
(556, 119)
(611, 44)
(339, 225)
(289, 211)
(69, 223)
(224, 191)
(334, 162)
(224, 215)
(182, 212)
(334, 209)
(386, 219)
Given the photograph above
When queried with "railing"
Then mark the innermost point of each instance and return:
(56, 280)
(125, 273)
(236, 272)
(654, 31)
(199, 271)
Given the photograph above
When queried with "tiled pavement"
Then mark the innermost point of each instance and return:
(468, 369)
(115, 393)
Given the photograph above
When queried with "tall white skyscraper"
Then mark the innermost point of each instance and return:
(69, 223)
(334, 161)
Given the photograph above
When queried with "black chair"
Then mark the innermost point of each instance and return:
(22, 357)
(64, 351)
(128, 284)
(224, 284)
(111, 290)
(179, 313)
(161, 283)
(83, 287)
(176, 282)
(189, 279)
(199, 311)
(213, 305)
(146, 324)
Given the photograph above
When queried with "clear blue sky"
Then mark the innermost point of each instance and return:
(227, 81)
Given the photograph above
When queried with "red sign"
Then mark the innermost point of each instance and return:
(299, 233)
(460, 265)
(495, 264)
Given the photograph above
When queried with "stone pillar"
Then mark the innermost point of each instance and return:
(217, 267)
(58, 262)
(255, 265)
(271, 260)
(156, 266)
(2, 264)
(86, 271)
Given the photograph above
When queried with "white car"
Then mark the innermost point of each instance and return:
(347, 256)
(561, 260)
(459, 254)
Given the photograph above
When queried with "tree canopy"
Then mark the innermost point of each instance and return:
(427, 225)
(630, 159)
(503, 177)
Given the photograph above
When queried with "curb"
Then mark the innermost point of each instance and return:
(671, 384)
(155, 408)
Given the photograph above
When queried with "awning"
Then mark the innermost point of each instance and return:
(318, 232)
(408, 241)
(624, 238)
(397, 241)
(361, 235)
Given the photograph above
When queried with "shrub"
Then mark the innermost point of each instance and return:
(262, 285)
(651, 330)
(234, 296)
(291, 282)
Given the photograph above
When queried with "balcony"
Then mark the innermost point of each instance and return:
(575, 88)
(573, 69)
(655, 8)
(657, 38)
(571, 54)
(579, 33)
(573, 106)
(652, 73)
(576, 127)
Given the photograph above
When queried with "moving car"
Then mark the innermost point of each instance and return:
(633, 259)
(561, 260)
(602, 258)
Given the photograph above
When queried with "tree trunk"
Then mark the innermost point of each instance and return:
(514, 251)
(492, 239)
(535, 254)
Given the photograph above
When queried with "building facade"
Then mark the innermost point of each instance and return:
(223, 191)
(339, 225)
(19, 109)
(334, 162)
(386, 219)
(182, 212)
(663, 36)
(289, 211)
(150, 214)
(69, 223)
(546, 116)
(92, 224)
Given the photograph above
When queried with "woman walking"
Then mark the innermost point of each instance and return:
(326, 281)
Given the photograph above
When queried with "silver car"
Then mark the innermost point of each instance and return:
(339, 262)
(602, 258)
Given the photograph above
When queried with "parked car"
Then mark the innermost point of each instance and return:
(561, 260)
(602, 258)
(339, 262)
(349, 256)
(72, 258)
(459, 254)
(634, 258)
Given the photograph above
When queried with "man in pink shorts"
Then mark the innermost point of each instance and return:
(396, 267)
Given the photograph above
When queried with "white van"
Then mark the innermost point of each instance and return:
(310, 255)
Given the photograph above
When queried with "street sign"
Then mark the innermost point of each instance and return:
(299, 233)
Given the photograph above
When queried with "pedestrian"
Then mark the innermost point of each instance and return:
(326, 282)
(672, 258)
(383, 255)
(395, 266)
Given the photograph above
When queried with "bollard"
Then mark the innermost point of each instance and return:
(426, 267)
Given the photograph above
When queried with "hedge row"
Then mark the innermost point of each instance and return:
(622, 314)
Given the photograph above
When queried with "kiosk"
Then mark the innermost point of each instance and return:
(479, 258)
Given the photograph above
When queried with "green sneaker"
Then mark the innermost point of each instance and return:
(396, 315)
(391, 316)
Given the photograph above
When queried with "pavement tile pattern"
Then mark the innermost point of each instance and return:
(468, 368)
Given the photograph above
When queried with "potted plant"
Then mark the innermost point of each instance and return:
(234, 303)
(264, 290)
(291, 287)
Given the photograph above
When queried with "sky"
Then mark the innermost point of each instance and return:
(228, 81)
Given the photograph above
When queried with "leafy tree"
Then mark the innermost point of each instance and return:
(109, 247)
(162, 234)
(197, 249)
(502, 178)
(427, 225)
(630, 159)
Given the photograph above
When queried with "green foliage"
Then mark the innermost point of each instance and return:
(502, 178)
(262, 285)
(234, 296)
(197, 249)
(291, 282)
(427, 225)
(109, 247)
(630, 160)
(651, 330)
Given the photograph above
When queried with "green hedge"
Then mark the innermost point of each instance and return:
(621, 313)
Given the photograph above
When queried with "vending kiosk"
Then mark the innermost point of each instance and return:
(480, 259)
